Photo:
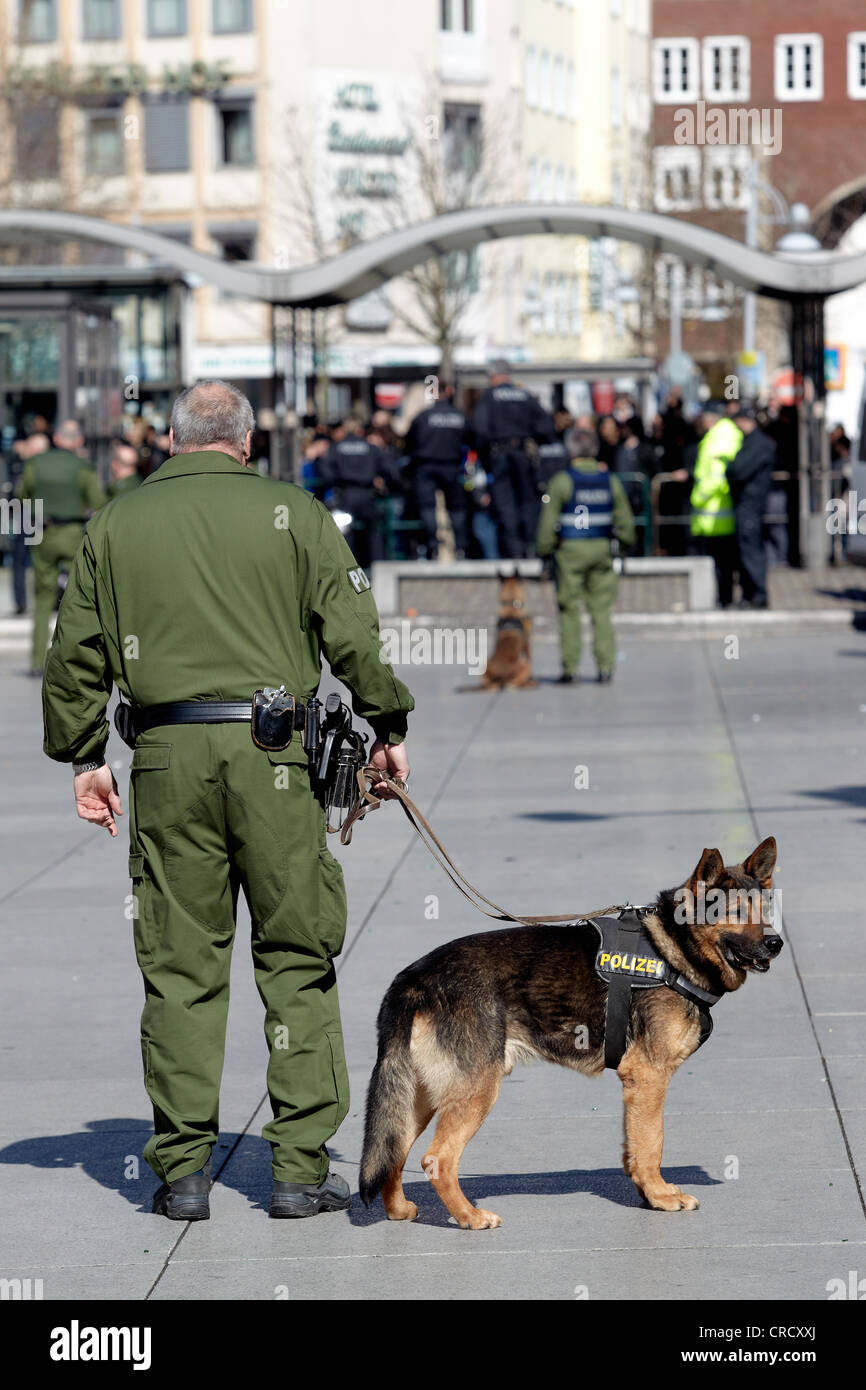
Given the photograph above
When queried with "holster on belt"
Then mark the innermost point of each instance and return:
(272, 719)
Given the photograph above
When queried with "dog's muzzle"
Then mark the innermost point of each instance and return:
(753, 958)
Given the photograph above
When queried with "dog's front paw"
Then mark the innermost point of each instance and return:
(481, 1220)
(671, 1198)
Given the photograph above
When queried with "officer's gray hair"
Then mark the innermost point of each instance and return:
(211, 412)
(581, 443)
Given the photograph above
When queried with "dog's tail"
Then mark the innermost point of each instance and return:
(390, 1097)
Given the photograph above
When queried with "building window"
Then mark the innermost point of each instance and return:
(563, 306)
(166, 136)
(532, 181)
(560, 184)
(546, 183)
(559, 85)
(726, 68)
(676, 178)
(616, 188)
(675, 70)
(165, 18)
(615, 98)
(576, 315)
(570, 93)
(799, 67)
(533, 303)
(461, 138)
(458, 16)
(232, 16)
(103, 142)
(544, 82)
(531, 76)
(37, 21)
(100, 19)
(548, 304)
(857, 66)
(726, 176)
(235, 131)
(37, 143)
(572, 187)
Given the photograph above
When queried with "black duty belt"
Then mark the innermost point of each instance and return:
(203, 712)
(628, 959)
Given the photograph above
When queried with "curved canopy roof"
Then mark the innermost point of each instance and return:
(369, 264)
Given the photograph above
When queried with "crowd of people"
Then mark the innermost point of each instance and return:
(695, 484)
(491, 467)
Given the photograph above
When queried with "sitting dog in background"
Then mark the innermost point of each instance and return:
(510, 666)
(452, 1025)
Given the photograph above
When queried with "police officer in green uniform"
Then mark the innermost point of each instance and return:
(122, 470)
(205, 584)
(584, 509)
(68, 489)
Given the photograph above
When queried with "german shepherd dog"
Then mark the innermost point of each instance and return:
(453, 1024)
(510, 668)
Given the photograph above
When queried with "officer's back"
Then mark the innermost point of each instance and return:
(437, 434)
(353, 462)
(508, 413)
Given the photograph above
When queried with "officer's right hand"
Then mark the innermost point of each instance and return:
(390, 758)
(97, 798)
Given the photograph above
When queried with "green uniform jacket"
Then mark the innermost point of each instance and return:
(67, 486)
(558, 496)
(208, 582)
(712, 505)
(124, 485)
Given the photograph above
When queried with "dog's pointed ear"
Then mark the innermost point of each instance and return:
(711, 868)
(762, 861)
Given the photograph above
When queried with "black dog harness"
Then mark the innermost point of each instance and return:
(627, 959)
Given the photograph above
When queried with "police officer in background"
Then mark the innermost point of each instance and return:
(713, 523)
(503, 420)
(435, 443)
(584, 510)
(553, 454)
(223, 582)
(122, 469)
(357, 470)
(69, 490)
(750, 477)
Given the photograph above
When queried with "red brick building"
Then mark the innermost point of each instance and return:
(781, 81)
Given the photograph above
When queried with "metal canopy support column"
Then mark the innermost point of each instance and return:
(809, 536)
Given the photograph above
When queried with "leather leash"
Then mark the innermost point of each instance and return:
(428, 837)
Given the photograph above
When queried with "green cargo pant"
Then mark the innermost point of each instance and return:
(585, 571)
(57, 547)
(211, 814)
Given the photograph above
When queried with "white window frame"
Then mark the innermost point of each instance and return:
(615, 98)
(571, 92)
(559, 193)
(545, 82)
(576, 307)
(532, 180)
(666, 159)
(545, 188)
(727, 43)
(729, 160)
(548, 303)
(780, 64)
(559, 85)
(855, 91)
(532, 77)
(683, 94)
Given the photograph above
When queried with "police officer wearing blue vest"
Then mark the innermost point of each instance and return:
(584, 510)
(435, 442)
(505, 418)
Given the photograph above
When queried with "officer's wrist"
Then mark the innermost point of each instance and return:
(89, 765)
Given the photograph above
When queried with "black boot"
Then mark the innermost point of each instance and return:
(186, 1199)
(292, 1199)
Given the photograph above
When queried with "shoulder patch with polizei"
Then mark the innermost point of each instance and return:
(358, 580)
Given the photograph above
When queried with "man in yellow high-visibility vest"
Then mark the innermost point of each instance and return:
(713, 520)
